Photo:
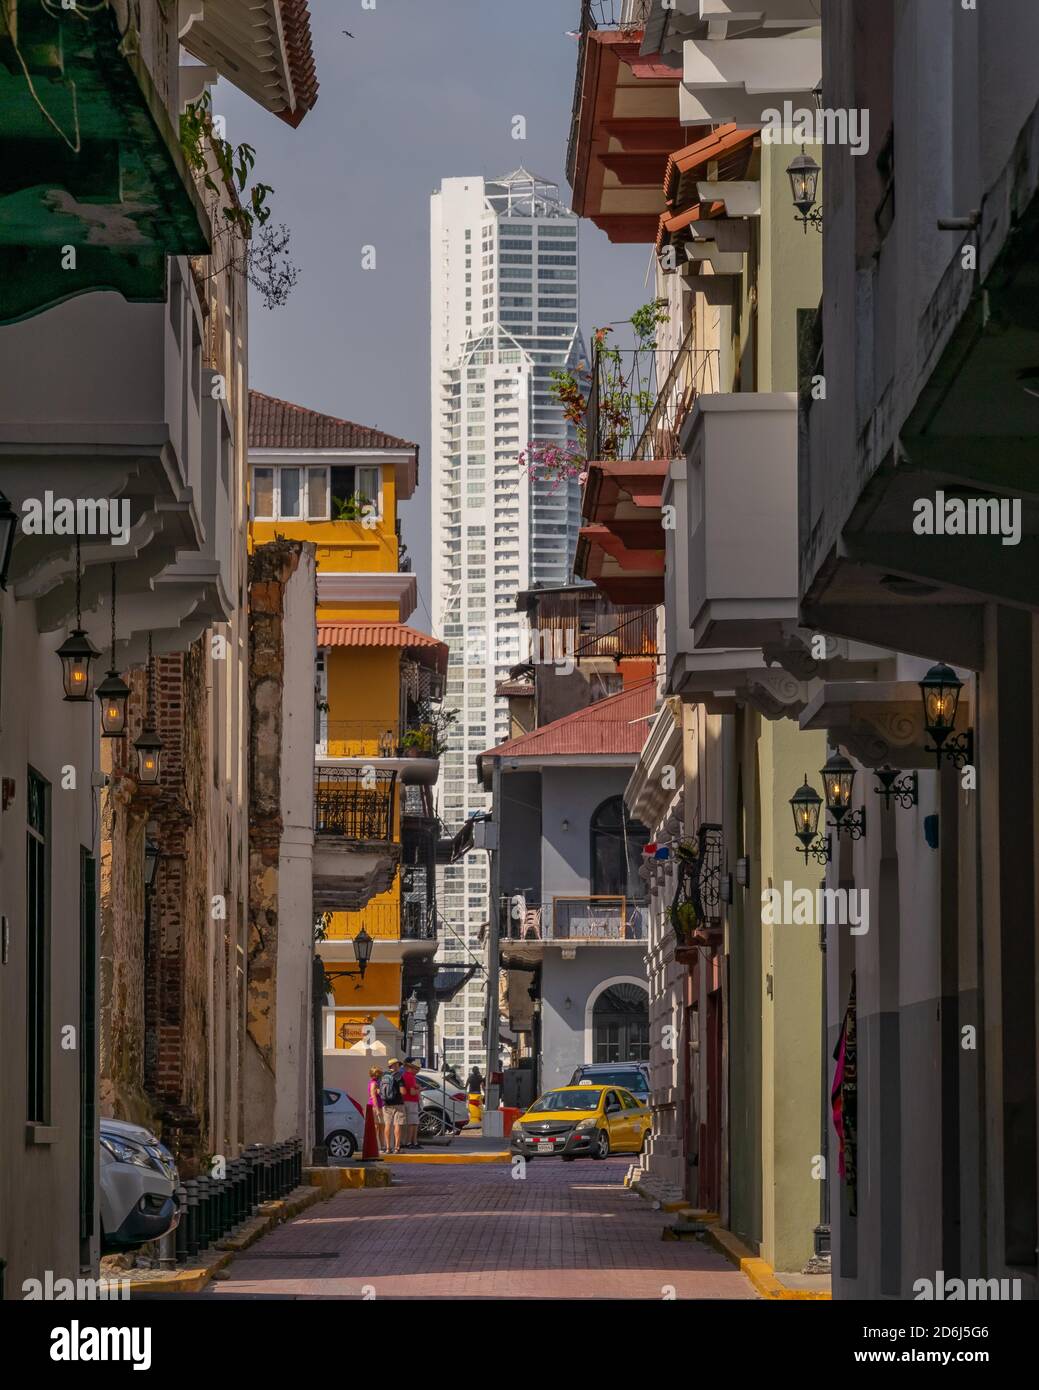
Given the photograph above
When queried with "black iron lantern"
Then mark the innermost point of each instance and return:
(8, 527)
(148, 744)
(113, 692)
(838, 776)
(152, 856)
(77, 652)
(803, 172)
(148, 747)
(940, 690)
(363, 944)
(806, 804)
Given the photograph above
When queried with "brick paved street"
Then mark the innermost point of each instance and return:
(565, 1231)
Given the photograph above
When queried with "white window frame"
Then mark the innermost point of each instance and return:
(302, 468)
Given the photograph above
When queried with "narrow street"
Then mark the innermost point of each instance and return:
(473, 1231)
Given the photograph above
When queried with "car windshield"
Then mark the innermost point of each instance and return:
(587, 1098)
(633, 1080)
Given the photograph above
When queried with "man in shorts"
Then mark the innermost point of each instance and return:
(412, 1092)
(392, 1091)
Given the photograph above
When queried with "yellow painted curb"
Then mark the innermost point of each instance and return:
(447, 1158)
(758, 1271)
(181, 1280)
(333, 1180)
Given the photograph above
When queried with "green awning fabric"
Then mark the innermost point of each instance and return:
(89, 160)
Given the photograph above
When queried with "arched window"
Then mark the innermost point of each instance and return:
(617, 842)
(620, 1024)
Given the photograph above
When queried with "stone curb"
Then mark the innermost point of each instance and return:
(448, 1158)
(758, 1271)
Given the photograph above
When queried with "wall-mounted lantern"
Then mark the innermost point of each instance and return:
(940, 689)
(803, 172)
(897, 786)
(152, 855)
(806, 804)
(838, 776)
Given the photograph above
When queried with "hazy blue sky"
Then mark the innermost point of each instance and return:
(425, 89)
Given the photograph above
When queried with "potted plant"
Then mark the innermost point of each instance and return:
(350, 508)
(418, 743)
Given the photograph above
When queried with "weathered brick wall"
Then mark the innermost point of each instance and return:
(270, 568)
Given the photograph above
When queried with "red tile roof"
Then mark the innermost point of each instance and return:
(276, 424)
(385, 635)
(618, 724)
(295, 23)
(691, 159)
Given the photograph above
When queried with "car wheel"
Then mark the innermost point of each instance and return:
(341, 1144)
(432, 1124)
(601, 1148)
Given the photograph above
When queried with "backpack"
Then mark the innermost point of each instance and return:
(389, 1088)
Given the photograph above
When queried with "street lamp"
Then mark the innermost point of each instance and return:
(838, 776)
(940, 689)
(803, 172)
(113, 692)
(806, 804)
(76, 653)
(8, 527)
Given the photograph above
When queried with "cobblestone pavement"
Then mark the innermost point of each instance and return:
(564, 1231)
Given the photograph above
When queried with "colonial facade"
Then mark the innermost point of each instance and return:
(124, 884)
(375, 706)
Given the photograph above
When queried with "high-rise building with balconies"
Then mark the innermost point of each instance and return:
(503, 318)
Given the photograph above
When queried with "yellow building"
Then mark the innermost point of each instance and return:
(377, 689)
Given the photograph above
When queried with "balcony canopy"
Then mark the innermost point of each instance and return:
(262, 47)
(624, 126)
(419, 645)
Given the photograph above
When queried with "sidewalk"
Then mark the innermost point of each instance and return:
(471, 1146)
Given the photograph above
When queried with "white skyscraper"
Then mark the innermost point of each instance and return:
(503, 262)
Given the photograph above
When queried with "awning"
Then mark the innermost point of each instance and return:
(424, 648)
(727, 140)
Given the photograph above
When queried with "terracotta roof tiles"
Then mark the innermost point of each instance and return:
(277, 424)
(617, 725)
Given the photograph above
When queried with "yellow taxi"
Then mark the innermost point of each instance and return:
(582, 1121)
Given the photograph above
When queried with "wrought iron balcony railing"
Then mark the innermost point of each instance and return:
(354, 803)
(405, 920)
(638, 399)
(372, 738)
(564, 918)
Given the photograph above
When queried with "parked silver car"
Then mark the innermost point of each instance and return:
(138, 1187)
(443, 1111)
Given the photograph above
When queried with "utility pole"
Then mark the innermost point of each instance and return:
(492, 1098)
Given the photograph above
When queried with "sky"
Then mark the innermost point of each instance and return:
(426, 89)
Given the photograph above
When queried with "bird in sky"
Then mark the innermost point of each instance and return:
(347, 33)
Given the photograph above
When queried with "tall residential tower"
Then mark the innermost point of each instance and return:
(503, 317)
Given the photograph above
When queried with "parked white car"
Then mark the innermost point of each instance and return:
(443, 1111)
(138, 1187)
(344, 1125)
